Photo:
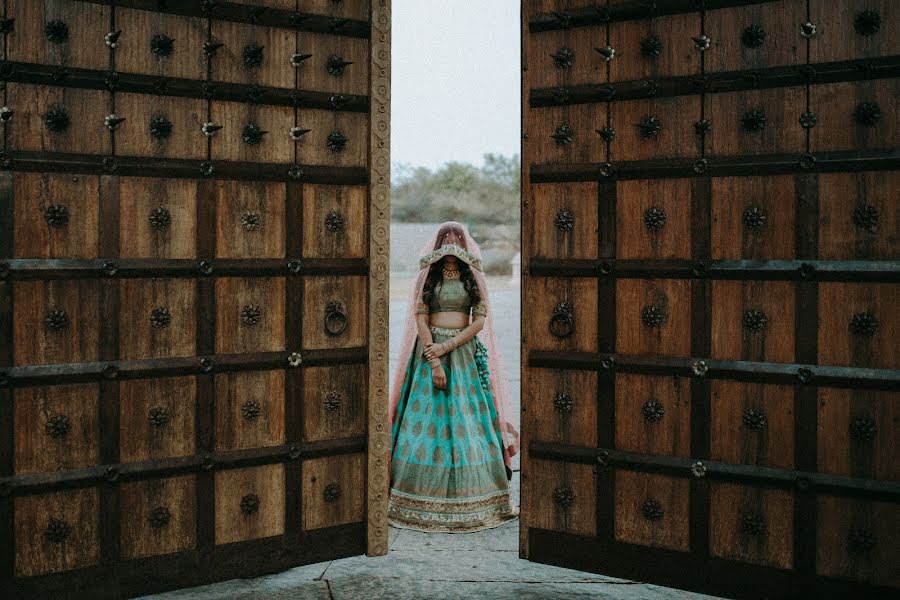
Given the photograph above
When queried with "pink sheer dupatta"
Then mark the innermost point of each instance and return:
(498, 377)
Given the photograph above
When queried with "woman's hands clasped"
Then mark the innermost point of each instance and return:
(435, 350)
(439, 377)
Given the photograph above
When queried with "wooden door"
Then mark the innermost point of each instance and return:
(193, 263)
(710, 281)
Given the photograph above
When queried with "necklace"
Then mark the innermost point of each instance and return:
(451, 273)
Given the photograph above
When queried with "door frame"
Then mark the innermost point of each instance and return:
(379, 431)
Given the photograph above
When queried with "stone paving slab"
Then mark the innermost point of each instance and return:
(272, 587)
(379, 588)
(501, 539)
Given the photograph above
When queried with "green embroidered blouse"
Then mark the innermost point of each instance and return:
(450, 296)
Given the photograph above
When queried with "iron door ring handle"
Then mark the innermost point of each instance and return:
(562, 322)
(334, 312)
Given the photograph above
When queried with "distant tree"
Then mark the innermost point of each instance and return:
(480, 196)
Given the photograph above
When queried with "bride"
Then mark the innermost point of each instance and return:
(451, 443)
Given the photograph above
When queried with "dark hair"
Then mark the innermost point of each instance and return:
(436, 274)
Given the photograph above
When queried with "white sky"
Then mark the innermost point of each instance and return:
(455, 80)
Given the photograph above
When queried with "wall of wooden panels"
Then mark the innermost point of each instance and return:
(710, 270)
(190, 198)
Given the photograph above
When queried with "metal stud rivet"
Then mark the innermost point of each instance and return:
(57, 426)
(651, 46)
(252, 55)
(653, 410)
(563, 58)
(564, 220)
(160, 317)
(250, 504)
(755, 419)
(564, 496)
(332, 402)
(336, 141)
(56, 319)
(652, 509)
(159, 517)
(162, 45)
(332, 492)
(251, 409)
(563, 403)
(56, 32)
(564, 135)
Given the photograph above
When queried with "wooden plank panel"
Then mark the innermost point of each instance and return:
(755, 36)
(652, 510)
(561, 405)
(576, 125)
(56, 428)
(552, 484)
(535, 7)
(753, 218)
(274, 69)
(542, 294)
(857, 433)
(82, 44)
(333, 491)
(550, 234)
(158, 516)
(134, 52)
(325, 125)
(752, 423)
(653, 219)
(847, 118)
(653, 415)
(249, 503)
(564, 58)
(158, 318)
(856, 540)
(666, 299)
(249, 410)
(282, 4)
(653, 48)
(35, 342)
(836, 35)
(751, 525)
(147, 231)
(350, 292)
(250, 219)
(34, 194)
(249, 314)
(753, 320)
(329, 50)
(229, 143)
(144, 114)
(77, 114)
(857, 218)
(320, 238)
(674, 137)
(347, 10)
(871, 341)
(157, 418)
(735, 129)
(72, 517)
(334, 402)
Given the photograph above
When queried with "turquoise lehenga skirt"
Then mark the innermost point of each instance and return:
(447, 470)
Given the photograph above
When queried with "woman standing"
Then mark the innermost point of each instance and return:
(451, 443)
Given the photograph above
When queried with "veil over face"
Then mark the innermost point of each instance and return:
(467, 250)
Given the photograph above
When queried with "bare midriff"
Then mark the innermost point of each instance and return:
(449, 319)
